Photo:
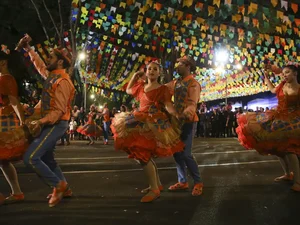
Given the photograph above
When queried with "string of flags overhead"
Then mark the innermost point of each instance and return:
(120, 36)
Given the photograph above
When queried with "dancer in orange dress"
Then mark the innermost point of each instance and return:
(90, 129)
(13, 135)
(277, 132)
(148, 132)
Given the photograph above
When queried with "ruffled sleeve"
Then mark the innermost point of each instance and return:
(279, 88)
(8, 85)
(167, 95)
(137, 89)
(171, 86)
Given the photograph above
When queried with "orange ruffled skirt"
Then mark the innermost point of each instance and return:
(14, 139)
(13, 144)
(142, 136)
(271, 132)
(91, 130)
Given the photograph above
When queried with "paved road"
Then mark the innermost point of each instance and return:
(239, 189)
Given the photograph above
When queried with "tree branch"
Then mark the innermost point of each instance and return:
(40, 18)
(73, 28)
(51, 17)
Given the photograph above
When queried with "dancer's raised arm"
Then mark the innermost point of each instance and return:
(135, 77)
(38, 63)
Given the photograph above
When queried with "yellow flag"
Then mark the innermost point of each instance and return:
(279, 14)
(149, 2)
(187, 3)
(284, 28)
(274, 2)
(211, 11)
(122, 5)
(252, 8)
(217, 3)
(236, 18)
(278, 29)
(200, 20)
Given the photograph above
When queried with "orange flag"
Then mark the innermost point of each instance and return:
(294, 7)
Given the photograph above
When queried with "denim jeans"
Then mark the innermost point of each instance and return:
(40, 154)
(185, 159)
(106, 126)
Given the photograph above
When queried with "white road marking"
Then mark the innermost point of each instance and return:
(171, 168)
(125, 157)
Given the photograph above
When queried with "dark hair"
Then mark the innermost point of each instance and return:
(295, 69)
(14, 62)
(59, 56)
(4, 56)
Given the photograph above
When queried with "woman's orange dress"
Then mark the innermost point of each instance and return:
(13, 138)
(90, 129)
(275, 132)
(148, 132)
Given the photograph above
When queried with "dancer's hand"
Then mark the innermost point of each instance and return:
(24, 43)
(267, 69)
(138, 75)
(35, 127)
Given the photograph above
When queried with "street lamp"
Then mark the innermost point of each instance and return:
(221, 57)
(81, 56)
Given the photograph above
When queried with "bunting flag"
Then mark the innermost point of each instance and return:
(121, 36)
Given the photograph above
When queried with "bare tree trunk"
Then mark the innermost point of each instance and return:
(40, 18)
(50, 15)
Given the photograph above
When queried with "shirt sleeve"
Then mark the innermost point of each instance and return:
(193, 98)
(38, 63)
(137, 89)
(61, 98)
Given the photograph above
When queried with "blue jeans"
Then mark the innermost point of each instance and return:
(106, 126)
(186, 159)
(40, 154)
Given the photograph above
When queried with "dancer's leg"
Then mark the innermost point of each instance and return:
(286, 168)
(160, 187)
(11, 176)
(150, 172)
(294, 165)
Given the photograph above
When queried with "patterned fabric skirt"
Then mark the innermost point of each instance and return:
(90, 130)
(271, 132)
(14, 139)
(9, 122)
(143, 136)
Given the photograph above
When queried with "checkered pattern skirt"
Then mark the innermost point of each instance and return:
(13, 138)
(9, 122)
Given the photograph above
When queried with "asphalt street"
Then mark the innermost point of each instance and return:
(238, 190)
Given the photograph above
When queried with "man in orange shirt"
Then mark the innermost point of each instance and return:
(58, 92)
(186, 92)
(106, 123)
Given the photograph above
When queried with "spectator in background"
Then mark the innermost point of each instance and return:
(90, 129)
(81, 121)
(113, 112)
(72, 128)
(201, 126)
(123, 108)
(106, 123)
